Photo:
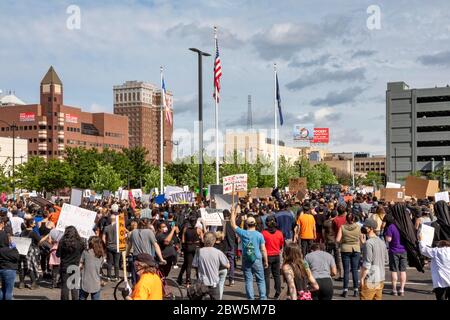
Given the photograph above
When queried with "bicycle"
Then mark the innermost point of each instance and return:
(171, 289)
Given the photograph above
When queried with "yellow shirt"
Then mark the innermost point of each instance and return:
(149, 287)
(307, 225)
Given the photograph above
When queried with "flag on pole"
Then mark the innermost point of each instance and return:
(165, 101)
(279, 101)
(217, 71)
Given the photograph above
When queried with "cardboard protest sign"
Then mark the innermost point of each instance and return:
(301, 195)
(212, 217)
(421, 188)
(238, 180)
(76, 197)
(22, 244)
(185, 197)
(378, 194)
(297, 184)
(391, 194)
(392, 185)
(261, 192)
(441, 196)
(83, 220)
(223, 201)
(427, 234)
(121, 233)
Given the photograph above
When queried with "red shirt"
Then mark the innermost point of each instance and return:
(338, 222)
(274, 242)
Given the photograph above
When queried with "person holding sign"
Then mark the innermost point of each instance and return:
(254, 254)
(9, 260)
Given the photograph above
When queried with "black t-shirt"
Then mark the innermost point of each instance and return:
(320, 219)
(70, 256)
(166, 250)
(222, 246)
(35, 238)
(230, 236)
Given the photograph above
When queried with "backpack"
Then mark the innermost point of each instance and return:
(249, 253)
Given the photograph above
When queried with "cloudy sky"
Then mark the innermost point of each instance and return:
(332, 69)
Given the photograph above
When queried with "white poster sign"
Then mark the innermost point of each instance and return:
(106, 193)
(392, 185)
(81, 219)
(137, 193)
(171, 190)
(123, 195)
(212, 217)
(76, 197)
(182, 198)
(185, 188)
(87, 193)
(239, 181)
(441, 196)
(427, 234)
(22, 244)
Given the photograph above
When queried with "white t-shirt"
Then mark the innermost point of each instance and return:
(16, 224)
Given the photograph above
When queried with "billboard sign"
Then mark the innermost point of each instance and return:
(27, 117)
(321, 135)
(303, 133)
(71, 118)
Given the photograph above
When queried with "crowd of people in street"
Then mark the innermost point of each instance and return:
(299, 248)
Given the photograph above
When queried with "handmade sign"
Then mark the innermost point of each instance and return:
(185, 197)
(22, 244)
(76, 197)
(121, 232)
(212, 217)
(427, 234)
(261, 192)
(391, 194)
(332, 189)
(297, 184)
(392, 185)
(441, 196)
(83, 220)
(238, 180)
(421, 188)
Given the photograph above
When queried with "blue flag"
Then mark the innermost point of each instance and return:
(279, 101)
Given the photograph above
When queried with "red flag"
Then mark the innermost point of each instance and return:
(131, 199)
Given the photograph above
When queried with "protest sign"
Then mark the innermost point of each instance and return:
(421, 188)
(391, 194)
(76, 197)
(332, 189)
(22, 244)
(392, 185)
(427, 234)
(214, 189)
(185, 188)
(106, 194)
(123, 194)
(81, 219)
(86, 193)
(212, 217)
(297, 184)
(121, 232)
(185, 197)
(172, 189)
(441, 196)
(137, 193)
(261, 192)
(238, 180)
(301, 195)
(223, 201)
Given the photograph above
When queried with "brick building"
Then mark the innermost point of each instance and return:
(50, 126)
(141, 103)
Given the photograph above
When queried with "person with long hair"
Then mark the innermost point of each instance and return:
(9, 261)
(297, 274)
(91, 264)
(190, 242)
(70, 248)
(442, 224)
(350, 238)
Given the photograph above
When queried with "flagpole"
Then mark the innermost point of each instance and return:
(161, 140)
(275, 125)
(216, 118)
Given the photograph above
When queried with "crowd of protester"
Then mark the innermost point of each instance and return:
(305, 246)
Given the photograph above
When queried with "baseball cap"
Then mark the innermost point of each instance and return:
(251, 220)
(147, 259)
(370, 223)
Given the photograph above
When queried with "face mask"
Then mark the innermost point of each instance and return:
(165, 229)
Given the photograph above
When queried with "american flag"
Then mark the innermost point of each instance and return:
(165, 102)
(217, 72)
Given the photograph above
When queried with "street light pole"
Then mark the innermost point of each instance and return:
(200, 55)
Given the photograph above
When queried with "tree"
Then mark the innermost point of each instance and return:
(138, 165)
(57, 175)
(106, 178)
(84, 164)
(6, 183)
(326, 174)
(152, 179)
(29, 174)
(373, 177)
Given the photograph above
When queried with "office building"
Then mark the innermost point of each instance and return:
(417, 129)
(50, 126)
(6, 152)
(141, 103)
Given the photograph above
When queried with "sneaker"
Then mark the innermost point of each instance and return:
(401, 293)
(394, 293)
(231, 283)
(356, 293)
(344, 294)
(276, 296)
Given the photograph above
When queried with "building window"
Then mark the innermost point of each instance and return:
(49, 127)
(50, 140)
(35, 127)
(49, 99)
(30, 140)
(117, 97)
(42, 127)
(42, 152)
(54, 99)
(35, 152)
(35, 140)
(30, 127)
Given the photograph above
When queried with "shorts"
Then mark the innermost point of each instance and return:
(398, 262)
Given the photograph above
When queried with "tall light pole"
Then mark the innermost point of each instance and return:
(200, 55)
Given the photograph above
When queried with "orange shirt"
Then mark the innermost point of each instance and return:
(307, 226)
(149, 287)
(55, 215)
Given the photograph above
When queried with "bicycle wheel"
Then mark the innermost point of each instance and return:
(118, 290)
(172, 290)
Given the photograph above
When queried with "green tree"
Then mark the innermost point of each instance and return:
(29, 174)
(6, 184)
(106, 178)
(373, 177)
(152, 179)
(57, 175)
(84, 164)
(139, 166)
(326, 174)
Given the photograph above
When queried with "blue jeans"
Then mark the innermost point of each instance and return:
(256, 268)
(350, 260)
(7, 278)
(231, 256)
(222, 278)
(94, 296)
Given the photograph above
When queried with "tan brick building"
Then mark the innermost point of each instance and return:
(140, 102)
(50, 126)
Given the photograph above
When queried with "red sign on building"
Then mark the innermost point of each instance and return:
(321, 135)
(71, 118)
(27, 117)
